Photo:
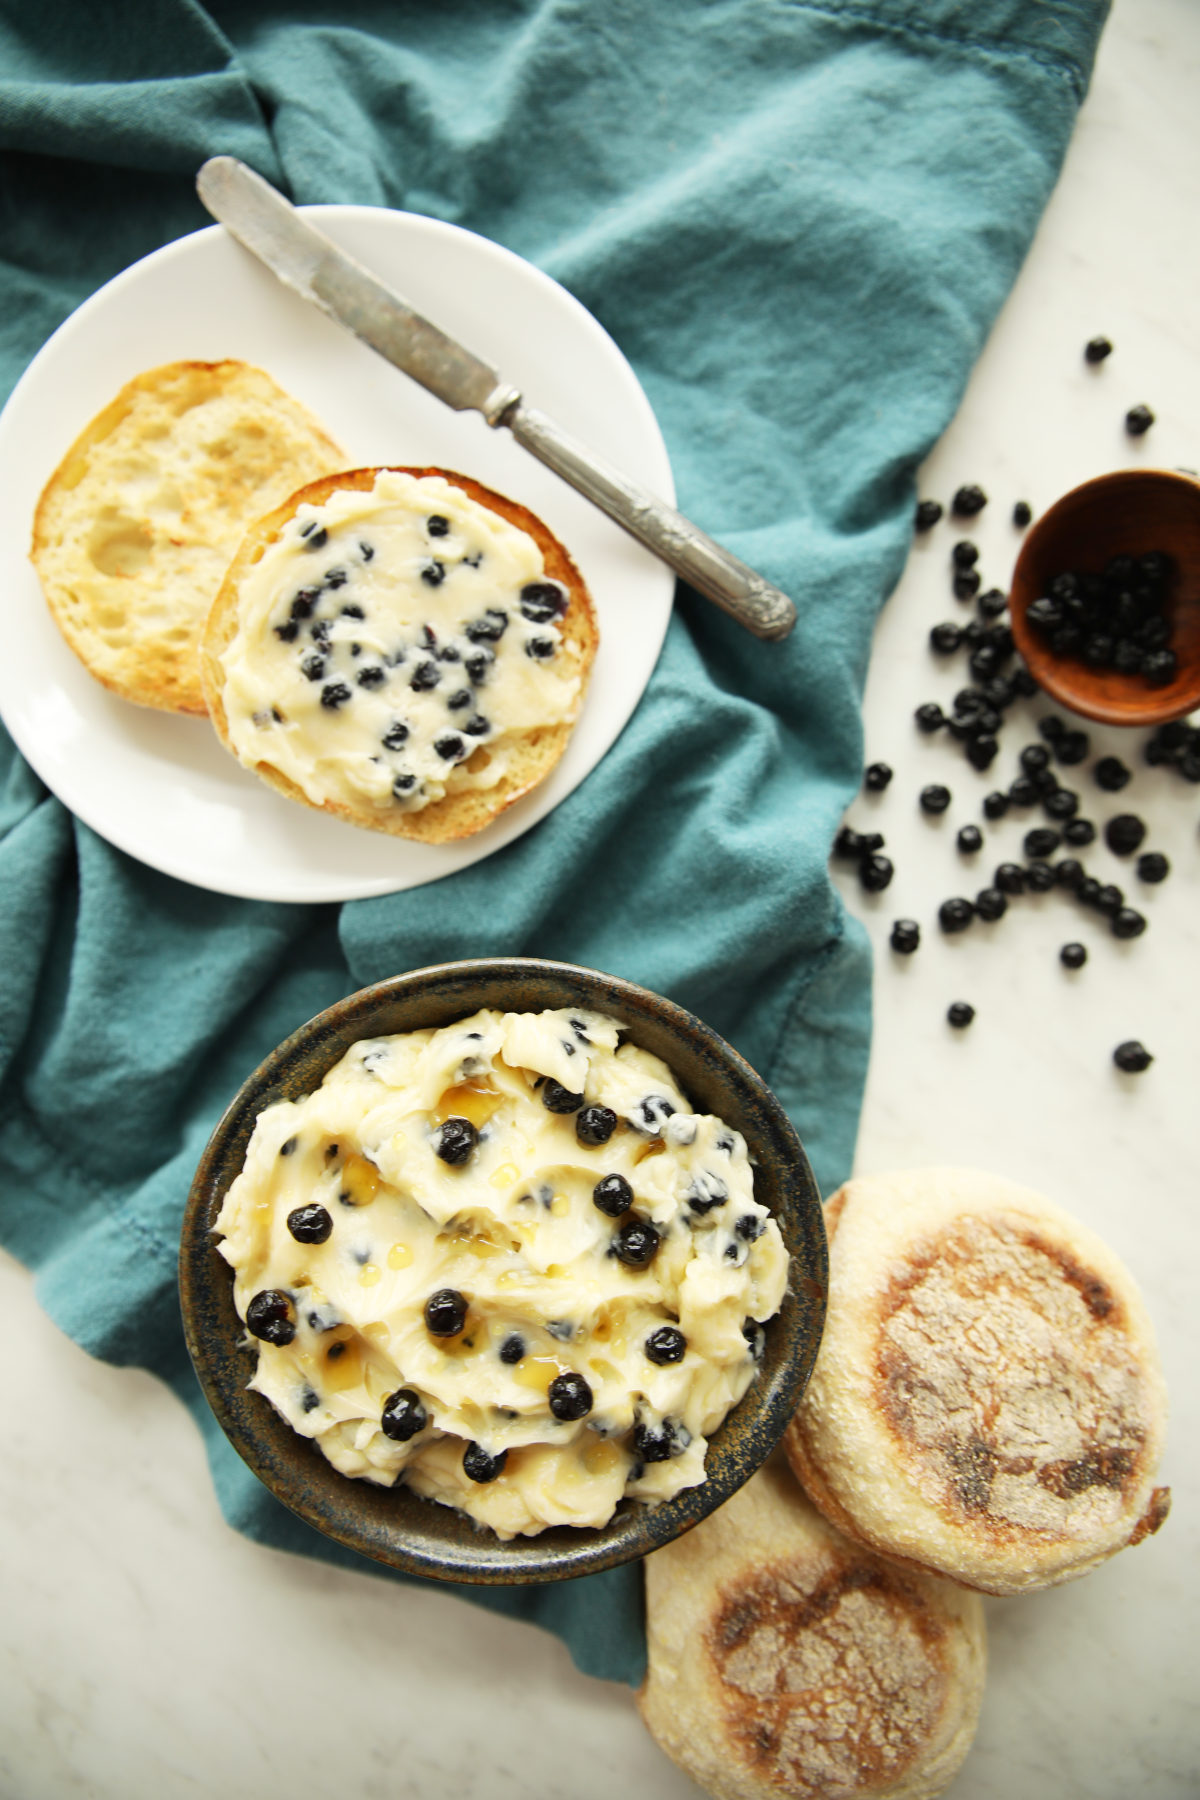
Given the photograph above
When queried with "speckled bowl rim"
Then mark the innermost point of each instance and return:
(394, 1525)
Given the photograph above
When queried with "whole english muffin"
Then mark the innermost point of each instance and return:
(987, 1401)
(789, 1664)
(136, 527)
(402, 648)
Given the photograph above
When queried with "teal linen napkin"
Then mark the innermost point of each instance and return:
(798, 220)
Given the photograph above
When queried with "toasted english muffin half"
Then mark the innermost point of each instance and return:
(786, 1661)
(137, 525)
(987, 1402)
(402, 648)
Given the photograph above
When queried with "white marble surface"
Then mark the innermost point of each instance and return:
(150, 1652)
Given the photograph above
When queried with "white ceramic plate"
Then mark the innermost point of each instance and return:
(159, 785)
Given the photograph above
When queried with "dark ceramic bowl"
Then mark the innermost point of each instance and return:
(395, 1525)
(1125, 513)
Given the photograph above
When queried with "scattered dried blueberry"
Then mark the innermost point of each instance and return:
(1109, 900)
(1110, 774)
(946, 638)
(1072, 747)
(272, 1317)
(403, 1415)
(1022, 792)
(1079, 832)
(990, 904)
(875, 872)
(1132, 1057)
(479, 1466)
(309, 1224)
(454, 1140)
(995, 805)
(964, 555)
(445, 1313)
(1022, 514)
(1072, 956)
(929, 716)
(513, 1348)
(1033, 758)
(1153, 866)
(1138, 420)
(1096, 349)
(1127, 922)
(965, 583)
(559, 1099)
(373, 676)
(1124, 833)
(313, 666)
(490, 628)
(906, 936)
(451, 747)
(540, 648)
(959, 1014)
(992, 603)
(969, 839)
(570, 1397)
(613, 1195)
(877, 777)
(635, 1243)
(666, 1345)
(927, 514)
(433, 573)
(542, 601)
(1039, 876)
(425, 677)
(981, 751)
(595, 1124)
(968, 501)
(1060, 803)
(314, 539)
(334, 694)
(1009, 878)
(955, 914)
(1069, 874)
(934, 799)
(1041, 841)
(437, 526)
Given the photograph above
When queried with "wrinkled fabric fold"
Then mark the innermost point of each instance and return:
(798, 220)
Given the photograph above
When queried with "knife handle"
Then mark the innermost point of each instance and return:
(713, 572)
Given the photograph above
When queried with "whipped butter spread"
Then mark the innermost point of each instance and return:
(505, 1262)
(392, 644)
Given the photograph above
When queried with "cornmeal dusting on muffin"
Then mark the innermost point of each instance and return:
(506, 1262)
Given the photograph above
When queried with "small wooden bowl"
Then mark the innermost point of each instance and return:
(1128, 512)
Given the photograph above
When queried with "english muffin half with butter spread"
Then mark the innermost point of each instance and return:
(137, 525)
(786, 1663)
(987, 1401)
(401, 648)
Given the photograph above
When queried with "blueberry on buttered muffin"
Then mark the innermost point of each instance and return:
(401, 648)
(530, 1330)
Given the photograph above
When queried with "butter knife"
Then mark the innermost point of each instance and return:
(308, 262)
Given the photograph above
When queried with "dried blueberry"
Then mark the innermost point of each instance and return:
(635, 1243)
(992, 603)
(478, 664)
(946, 639)
(906, 936)
(1096, 349)
(1138, 420)
(425, 677)
(513, 1348)
(1061, 803)
(1124, 833)
(570, 1397)
(309, 1224)
(1078, 832)
(877, 777)
(595, 1124)
(559, 1099)
(490, 628)
(540, 648)
(1160, 667)
(272, 1317)
(1010, 878)
(437, 526)
(479, 1466)
(1072, 747)
(1127, 922)
(313, 666)
(433, 573)
(990, 904)
(965, 583)
(314, 539)
(969, 839)
(372, 676)
(964, 554)
(1022, 792)
(542, 600)
(875, 872)
(981, 751)
(613, 1195)
(1039, 877)
(930, 716)
(458, 700)
(454, 1140)
(450, 747)
(445, 1313)
(403, 1415)
(1069, 874)
(334, 694)
(651, 1446)
(995, 805)
(477, 725)
(927, 514)
(1022, 513)
(955, 914)
(968, 501)
(1042, 841)
(665, 1345)
(1132, 1057)
(959, 1014)
(934, 799)
(1153, 866)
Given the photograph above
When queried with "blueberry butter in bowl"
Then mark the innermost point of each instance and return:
(503, 1271)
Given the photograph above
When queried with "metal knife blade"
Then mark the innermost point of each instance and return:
(308, 262)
